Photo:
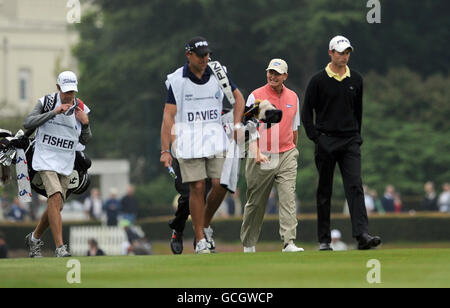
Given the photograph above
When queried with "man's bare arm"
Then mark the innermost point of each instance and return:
(168, 123)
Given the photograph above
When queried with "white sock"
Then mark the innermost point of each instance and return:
(35, 240)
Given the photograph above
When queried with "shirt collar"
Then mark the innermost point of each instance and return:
(273, 91)
(188, 73)
(336, 76)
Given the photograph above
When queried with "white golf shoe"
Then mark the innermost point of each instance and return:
(250, 249)
(290, 247)
(202, 247)
(209, 237)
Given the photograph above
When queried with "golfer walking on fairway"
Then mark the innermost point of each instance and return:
(334, 99)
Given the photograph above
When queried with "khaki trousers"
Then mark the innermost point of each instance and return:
(260, 179)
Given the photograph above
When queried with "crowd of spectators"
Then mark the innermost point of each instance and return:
(114, 208)
(391, 201)
(13, 210)
(109, 211)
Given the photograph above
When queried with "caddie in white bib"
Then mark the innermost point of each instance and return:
(56, 142)
(198, 122)
(193, 124)
(62, 123)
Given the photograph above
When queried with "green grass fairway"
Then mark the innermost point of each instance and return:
(399, 268)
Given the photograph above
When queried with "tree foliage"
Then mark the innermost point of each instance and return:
(128, 47)
(406, 129)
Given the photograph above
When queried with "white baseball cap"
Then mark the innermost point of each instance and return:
(278, 65)
(68, 81)
(340, 43)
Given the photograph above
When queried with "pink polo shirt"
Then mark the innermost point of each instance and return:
(280, 137)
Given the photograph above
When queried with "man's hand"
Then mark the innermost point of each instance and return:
(81, 116)
(261, 159)
(239, 133)
(62, 108)
(166, 159)
(256, 153)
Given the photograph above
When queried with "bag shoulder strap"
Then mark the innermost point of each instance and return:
(50, 102)
(222, 78)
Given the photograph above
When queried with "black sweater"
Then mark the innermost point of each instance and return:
(337, 106)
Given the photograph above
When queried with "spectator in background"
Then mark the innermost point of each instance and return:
(112, 208)
(129, 205)
(397, 203)
(377, 202)
(368, 200)
(388, 199)
(444, 199)
(3, 247)
(17, 212)
(233, 204)
(136, 244)
(93, 205)
(231, 208)
(430, 200)
(272, 208)
(336, 242)
(93, 249)
(222, 211)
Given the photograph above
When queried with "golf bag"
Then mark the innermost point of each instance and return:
(79, 179)
(263, 111)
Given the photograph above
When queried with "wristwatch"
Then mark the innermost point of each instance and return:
(237, 126)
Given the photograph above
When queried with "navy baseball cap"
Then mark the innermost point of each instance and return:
(199, 45)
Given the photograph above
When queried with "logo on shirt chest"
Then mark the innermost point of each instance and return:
(191, 98)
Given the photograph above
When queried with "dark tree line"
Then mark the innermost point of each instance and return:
(127, 48)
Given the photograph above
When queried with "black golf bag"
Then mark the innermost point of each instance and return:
(79, 179)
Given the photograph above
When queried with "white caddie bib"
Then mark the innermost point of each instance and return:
(198, 125)
(56, 142)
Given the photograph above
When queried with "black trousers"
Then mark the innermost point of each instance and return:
(182, 214)
(347, 154)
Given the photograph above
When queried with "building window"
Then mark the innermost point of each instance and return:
(24, 84)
